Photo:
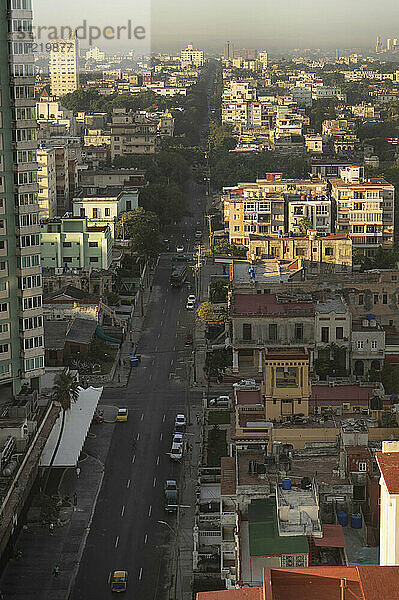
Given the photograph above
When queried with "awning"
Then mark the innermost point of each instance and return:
(333, 537)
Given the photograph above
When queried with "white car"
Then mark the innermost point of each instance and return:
(220, 401)
(179, 248)
(177, 438)
(191, 298)
(176, 452)
(190, 305)
(180, 421)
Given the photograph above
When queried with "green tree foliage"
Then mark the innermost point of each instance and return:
(384, 258)
(217, 361)
(224, 248)
(142, 228)
(209, 313)
(218, 290)
(166, 201)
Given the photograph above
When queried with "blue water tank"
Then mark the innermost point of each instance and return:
(342, 518)
(286, 483)
(356, 521)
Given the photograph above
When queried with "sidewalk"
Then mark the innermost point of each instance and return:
(129, 345)
(31, 576)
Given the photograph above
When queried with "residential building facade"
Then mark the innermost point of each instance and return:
(47, 182)
(63, 66)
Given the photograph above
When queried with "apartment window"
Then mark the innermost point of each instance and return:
(3, 307)
(247, 331)
(362, 466)
(325, 334)
(375, 298)
(67, 259)
(299, 331)
(4, 328)
(32, 302)
(67, 244)
(339, 333)
(93, 244)
(236, 228)
(300, 251)
(385, 298)
(2, 265)
(3, 348)
(95, 213)
(33, 342)
(107, 212)
(359, 344)
(328, 251)
(4, 369)
(93, 259)
(286, 376)
(34, 363)
(273, 332)
(361, 299)
(373, 344)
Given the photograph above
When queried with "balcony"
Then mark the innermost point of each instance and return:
(228, 519)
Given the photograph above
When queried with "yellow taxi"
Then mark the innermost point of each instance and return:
(119, 581)
(122, 414)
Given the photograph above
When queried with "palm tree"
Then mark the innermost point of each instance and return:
(66, 391)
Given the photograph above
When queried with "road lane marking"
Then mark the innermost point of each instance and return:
(160, 436)
(161, 322)
(157, 460)
(138, 437)
(134, 459)
(159, 335)
(146, 538)
(164, 417)
(150, 511)
(142, 416)
(109, 577)
(141, 573)
(150, 376)
(154, 483)
(174, 348)
(123, 510)
(128, 483)
(117, 541)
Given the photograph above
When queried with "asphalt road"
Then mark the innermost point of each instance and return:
(125, 533)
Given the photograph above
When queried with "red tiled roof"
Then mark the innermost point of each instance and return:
(333, 537)
(267, 303)
(255, 593)
(336, 236)
(249, 397)
(379, 583)
(388, 463)
(341, 393)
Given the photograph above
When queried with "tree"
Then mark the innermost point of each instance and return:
(225, 248)
(65, 391)
(167, 201)
(304, 224)
(142, 228)
(209, 313)
(218, 290)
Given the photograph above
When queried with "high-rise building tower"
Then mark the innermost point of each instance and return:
(378, 45)
(228, 50)
(64, 74)
(389, 44)
(21, 317)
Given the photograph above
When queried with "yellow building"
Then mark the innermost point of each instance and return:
(46, 176)
(286, 387)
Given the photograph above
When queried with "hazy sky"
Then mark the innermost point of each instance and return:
(253, 24)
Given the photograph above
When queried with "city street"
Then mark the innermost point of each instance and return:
(125, 532)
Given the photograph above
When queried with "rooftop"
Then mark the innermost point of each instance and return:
(69, 292)
(265, 272)
(82, 331)
(331, 305)
(55, 334)
(264, 538)
(338, 394)
(249, 397)
(267, 304)
(388, 463)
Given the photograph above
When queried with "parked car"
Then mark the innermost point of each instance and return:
(180, 248)
(171, 496)
(191, 298)
(190, 304)
(176, 451)
(220, 401)
(177, 438)
(198, 234)
(189, 340)
(180, 422)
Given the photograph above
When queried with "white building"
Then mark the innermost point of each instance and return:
(316, 210)
(63, 66)
(46, 176)
(101, 211)
(191, 57)
(95, 54)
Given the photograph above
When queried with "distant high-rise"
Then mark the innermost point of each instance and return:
(64, 76)
(228, 50)
(378, 45)
(262, 58)
(389, 44)
(21, 316)
(95, 54)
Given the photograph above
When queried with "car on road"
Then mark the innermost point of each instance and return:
(122, 414)
(171, 495)
(176, 452)
(191, 298)
(180, 422)
(220, 401)
(198, 234)
(180, 248)
(177, 438)
(189, 340)
(190, 305)
(119, 581)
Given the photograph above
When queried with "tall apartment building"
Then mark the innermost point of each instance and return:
(21, 319)
(365, 210)
(47, 182)
(309, 212)
(190, 57)
(260, 207)
(132, 133)
(64, 74)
